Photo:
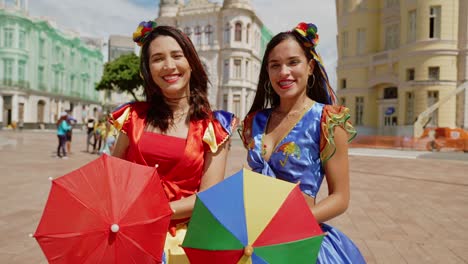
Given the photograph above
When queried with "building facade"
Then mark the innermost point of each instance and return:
(398, 57)
(44, 70)
(230, 40)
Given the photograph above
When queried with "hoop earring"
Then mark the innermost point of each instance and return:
(313, 82)
(267, 87)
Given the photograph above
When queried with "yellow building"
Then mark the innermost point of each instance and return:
(398, 57)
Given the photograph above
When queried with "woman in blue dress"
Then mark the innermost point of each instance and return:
(294, 132)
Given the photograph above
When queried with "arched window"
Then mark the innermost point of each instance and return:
(238, 32)
(227, 33)
(209, 34)
(198, 36)
(247, 33)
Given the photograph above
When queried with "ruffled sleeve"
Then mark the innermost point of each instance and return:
(245, 131)
(120, 117)
(219, 129)
(332, 116)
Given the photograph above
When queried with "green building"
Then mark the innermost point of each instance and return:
(44, 70)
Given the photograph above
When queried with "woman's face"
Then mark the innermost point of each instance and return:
(169, 67)
(289, 69)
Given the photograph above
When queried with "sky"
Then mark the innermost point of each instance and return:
(101, 18)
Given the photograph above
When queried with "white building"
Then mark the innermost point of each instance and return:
(44, 70)
(230, 40)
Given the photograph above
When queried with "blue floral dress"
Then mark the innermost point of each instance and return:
(298, 157)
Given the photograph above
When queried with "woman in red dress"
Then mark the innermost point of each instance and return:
(175, 128)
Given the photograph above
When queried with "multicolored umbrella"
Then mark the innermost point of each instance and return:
(252, 218)
(108, 211)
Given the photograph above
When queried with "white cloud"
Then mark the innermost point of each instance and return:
(283, 15)
(98, 18)
(101, 18)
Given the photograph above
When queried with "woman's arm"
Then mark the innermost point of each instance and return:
(215, 166)
(120, 146)
(337, 175)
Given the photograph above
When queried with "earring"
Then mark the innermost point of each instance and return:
(313, 82)
(267, 87)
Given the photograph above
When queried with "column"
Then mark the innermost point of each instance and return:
(243, 103)
(14, 108)
(1, 107)
(230, 100)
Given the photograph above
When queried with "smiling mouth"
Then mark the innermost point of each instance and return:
(286, 84)
(171, 78)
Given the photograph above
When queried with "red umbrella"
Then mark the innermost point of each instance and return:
(108, 211)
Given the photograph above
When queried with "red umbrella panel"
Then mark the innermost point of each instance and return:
(108, 211)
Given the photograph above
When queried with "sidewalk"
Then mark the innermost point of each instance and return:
(402, 210)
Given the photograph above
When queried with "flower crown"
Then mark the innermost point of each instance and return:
(308, 31)
(310, 38)
(142, 31)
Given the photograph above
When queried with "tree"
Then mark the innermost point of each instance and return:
(122, 75)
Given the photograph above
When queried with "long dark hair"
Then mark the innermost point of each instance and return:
(317, 83)
(159, 113)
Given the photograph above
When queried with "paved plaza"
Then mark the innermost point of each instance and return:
(406, 207)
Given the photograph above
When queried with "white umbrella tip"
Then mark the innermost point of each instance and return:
(115, 228)
(50, 178)
(30, 235)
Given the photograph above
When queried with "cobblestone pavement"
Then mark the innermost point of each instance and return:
(403, 210)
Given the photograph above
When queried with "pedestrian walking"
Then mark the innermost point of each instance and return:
(62, 128)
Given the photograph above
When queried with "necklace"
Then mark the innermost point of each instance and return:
(290, 114)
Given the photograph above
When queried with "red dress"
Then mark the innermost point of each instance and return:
(180, 161)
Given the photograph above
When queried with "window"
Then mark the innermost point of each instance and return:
(410, 108)
(237, 69)
(342, 100)
(392, 3)
(22, 39)
(41, 47)
(227, 33)
(247, 34)
(434, 21)
(359, 110)
(198, 36)
(7, 71)
(226, 70)
(344, 43)
(188, 32)
(432, 98)
(392, 37)
(346, 6)
(247, 70)
(361, 41)
(8, 37)
(72, 83)
(209, 34)
(57, 53)
(21, 70)
(390, 93)
(56, 81)
(343, 83)
(72, 57)
(434, 73)
(410, 74)
(411, 26)
(238, 32)
(40, 75)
